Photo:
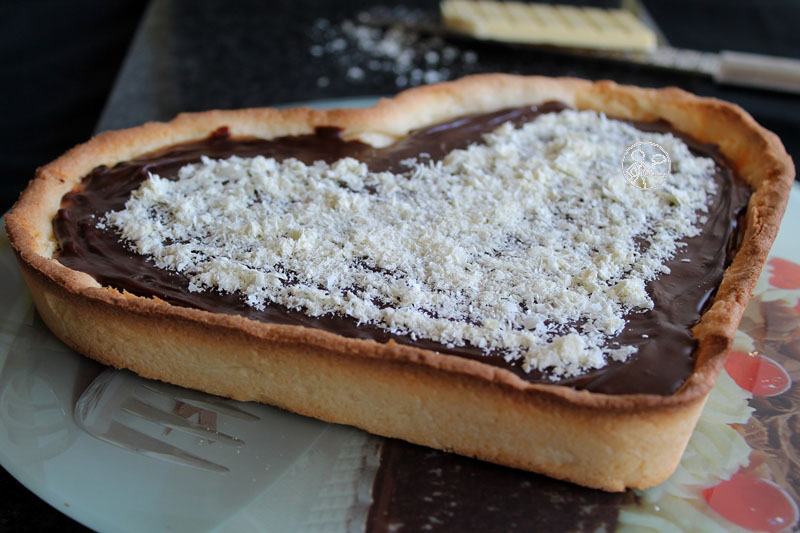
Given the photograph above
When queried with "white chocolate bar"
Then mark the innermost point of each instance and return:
(575, 27)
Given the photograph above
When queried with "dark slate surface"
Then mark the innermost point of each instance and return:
(59, 59)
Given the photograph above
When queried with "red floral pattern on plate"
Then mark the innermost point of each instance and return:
(785, 274)
(757, 373)
(753, 503)
(760, 497)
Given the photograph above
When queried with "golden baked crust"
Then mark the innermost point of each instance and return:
(604, 441)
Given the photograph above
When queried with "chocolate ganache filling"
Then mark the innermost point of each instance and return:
(662, 335)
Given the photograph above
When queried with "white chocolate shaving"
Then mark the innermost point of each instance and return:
(524, 245)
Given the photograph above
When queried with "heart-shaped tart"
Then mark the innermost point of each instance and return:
(543, 273)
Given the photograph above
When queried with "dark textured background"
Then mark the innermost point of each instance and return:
(60, 60)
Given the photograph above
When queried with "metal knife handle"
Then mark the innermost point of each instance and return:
(754, 70)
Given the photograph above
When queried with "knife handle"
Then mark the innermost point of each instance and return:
(754, 70)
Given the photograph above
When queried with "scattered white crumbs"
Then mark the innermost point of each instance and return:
(525, 245)
(364, 47)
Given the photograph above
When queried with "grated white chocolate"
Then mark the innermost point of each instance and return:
(525, 245)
